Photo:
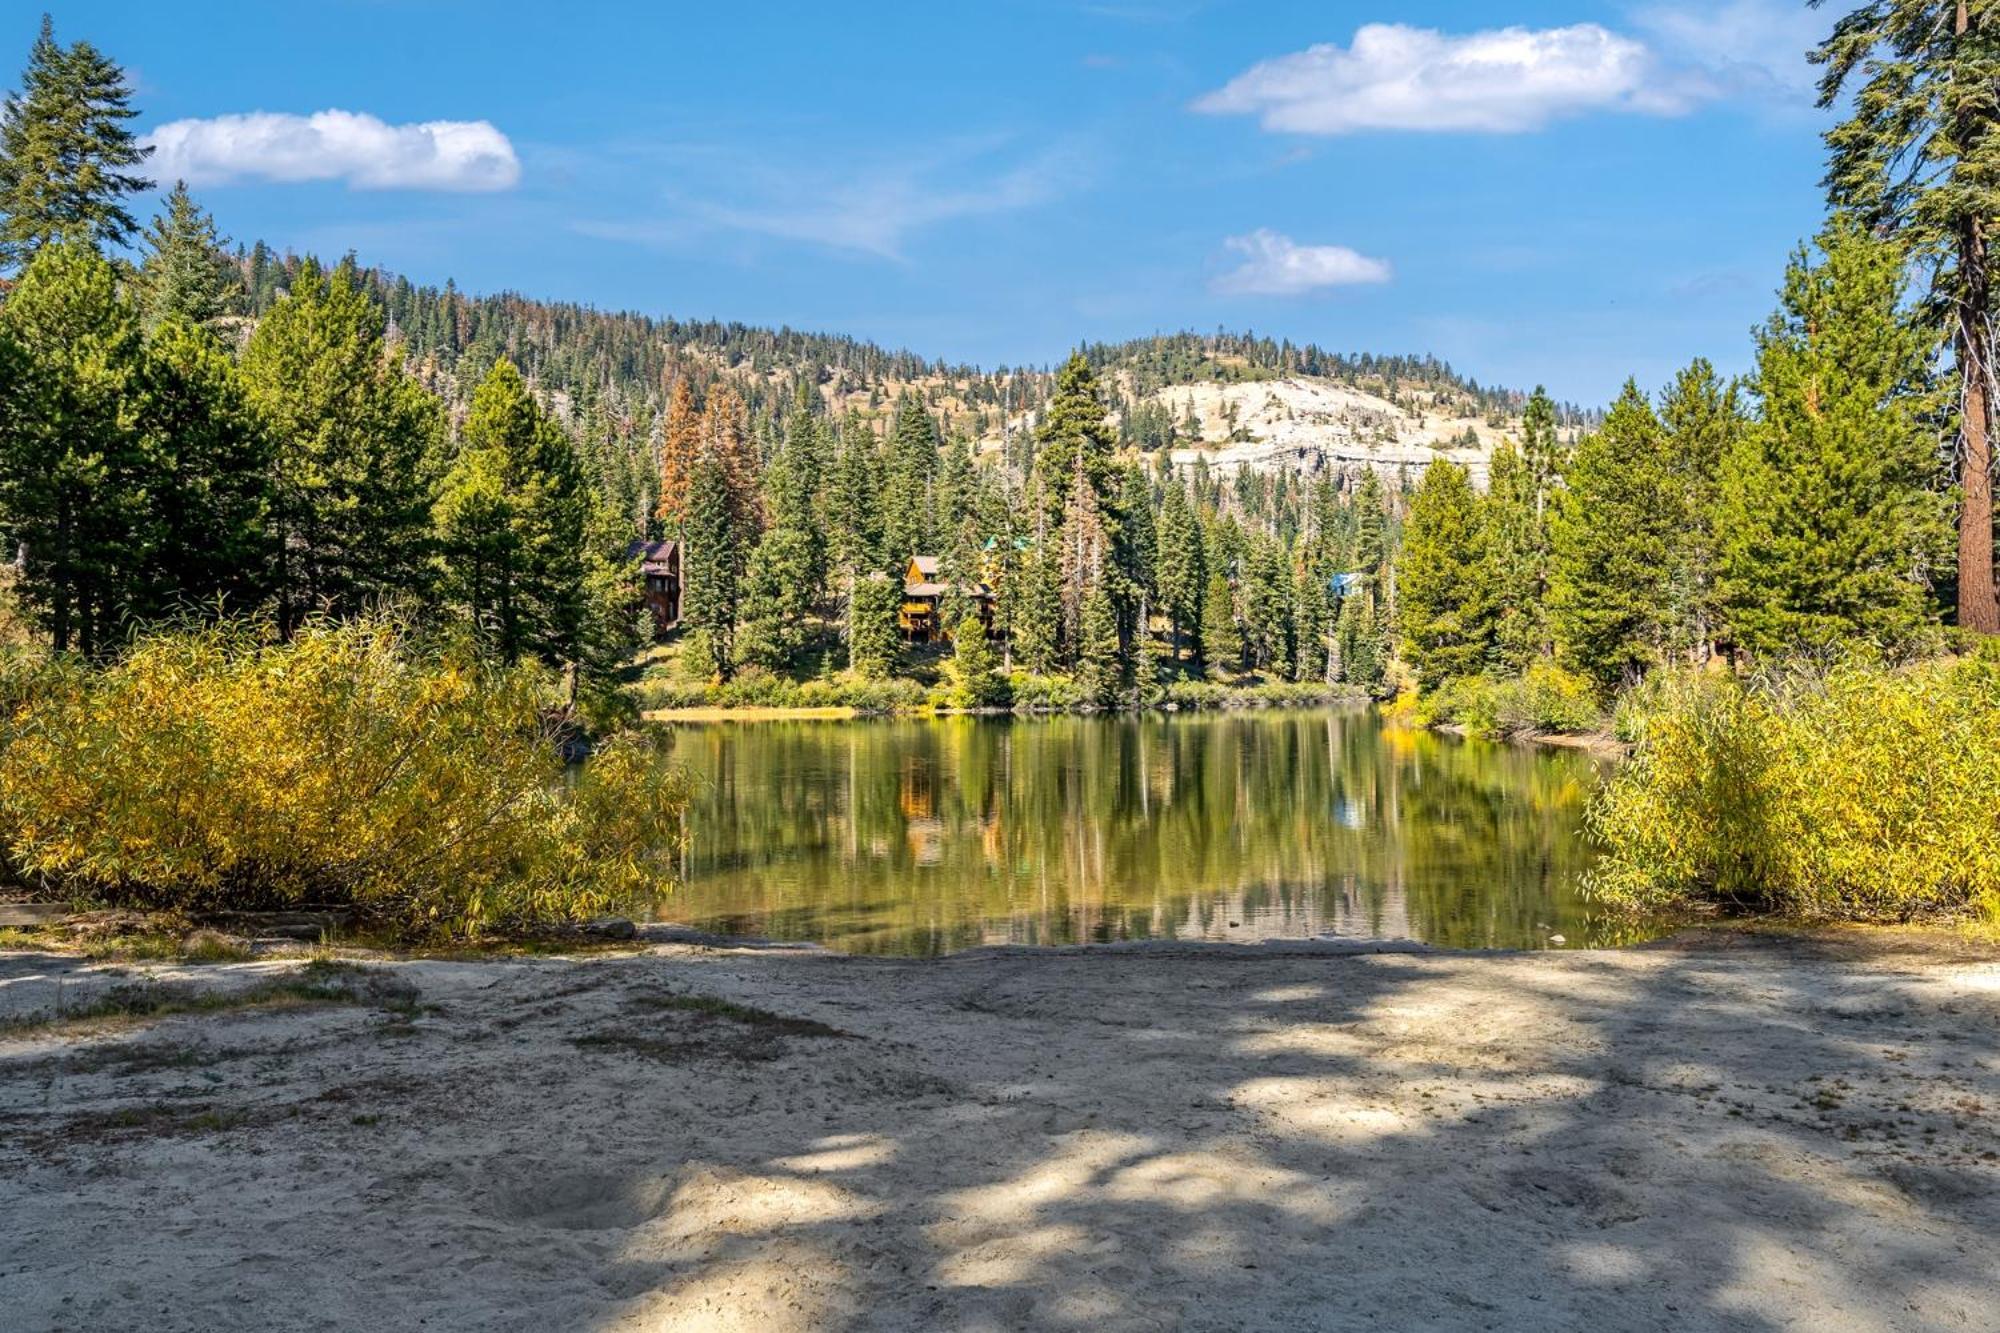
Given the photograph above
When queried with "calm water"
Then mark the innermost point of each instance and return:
(919, 837)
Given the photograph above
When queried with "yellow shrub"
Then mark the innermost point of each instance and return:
(213, 769)
(1865, 792)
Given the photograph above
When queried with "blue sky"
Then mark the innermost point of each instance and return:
(1566, 193)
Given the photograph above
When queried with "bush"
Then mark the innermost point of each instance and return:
(1545, 698)
(1859, 792)
(213, 769)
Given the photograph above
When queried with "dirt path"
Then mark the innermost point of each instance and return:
(1760, 1137)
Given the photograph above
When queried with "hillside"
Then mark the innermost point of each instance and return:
(1235, 399)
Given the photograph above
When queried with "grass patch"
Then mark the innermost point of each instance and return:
(738, 1013)
(695, 1027)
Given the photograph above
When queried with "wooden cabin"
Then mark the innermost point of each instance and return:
(924, 591)
(660, 566)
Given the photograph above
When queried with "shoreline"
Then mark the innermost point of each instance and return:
(1770, 1130)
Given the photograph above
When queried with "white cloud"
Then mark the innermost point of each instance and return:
(1744, 47)
(1275, 265)
(1503, 81)
(876, 214)
(869, 208)
(367, 153)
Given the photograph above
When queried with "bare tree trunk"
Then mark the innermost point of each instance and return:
(1978, 610)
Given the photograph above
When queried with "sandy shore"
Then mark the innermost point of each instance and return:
(1723, 1133)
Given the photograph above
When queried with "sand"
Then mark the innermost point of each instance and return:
(1716, 1134)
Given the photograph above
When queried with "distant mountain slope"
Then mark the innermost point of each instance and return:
(1240, 399)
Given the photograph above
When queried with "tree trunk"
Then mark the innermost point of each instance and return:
(1978, 610)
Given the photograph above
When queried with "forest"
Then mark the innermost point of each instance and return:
(194, 432)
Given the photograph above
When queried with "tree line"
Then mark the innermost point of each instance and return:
(1810, 506)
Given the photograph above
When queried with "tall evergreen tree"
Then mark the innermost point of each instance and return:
(784, 580)
(1541, 449)
(511, 516)
(65, 151)
(1447, 608)
(208, 468)
(1701, 418)
(1517, 559)
(1221, 632)
(358, 445)
(1612, 544)
(1831, 513)
(72, 462)
(1183, 571)
(186, 275)
(711, 560)
(1919, 155)
(912, 466)
(871, 626)
(1100, 664)
(1074, 439)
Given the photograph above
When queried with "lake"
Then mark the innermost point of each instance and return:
(923, 836)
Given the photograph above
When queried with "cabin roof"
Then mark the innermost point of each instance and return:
(926, 565)
(654, 557)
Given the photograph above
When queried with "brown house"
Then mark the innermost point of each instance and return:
(660, 564)
(923, 596)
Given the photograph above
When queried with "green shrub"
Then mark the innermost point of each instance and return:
(1545, 698)
(1861, 792)
(213, 769)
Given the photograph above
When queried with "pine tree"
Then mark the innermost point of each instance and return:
(970, 668)
(871, 626)
(1919, 155)
(1612, 544)
(1517, 559)
(72, 464)
(1084, 556)
(1371, 545)
(1221, 635)
(1267, 619)
(1446, 612)
(1311, 622)
(64, 150)
(711, 560)
(855, 538)
(187, 274)
(1541, 450)
(680, 446)
(1100, 666)
(784, 581)
(907, 488)
(1358, 642)
(358, 449)
(1038, 612)
(1700, 416)
(1183, 572)
(726, 437)
(511, 517)
(208, 461)
(1136, 554)
(1831, 513)
(1074, 439)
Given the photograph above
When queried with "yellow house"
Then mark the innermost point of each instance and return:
(924, 593)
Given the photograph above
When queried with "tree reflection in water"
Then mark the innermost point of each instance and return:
(922, 836)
